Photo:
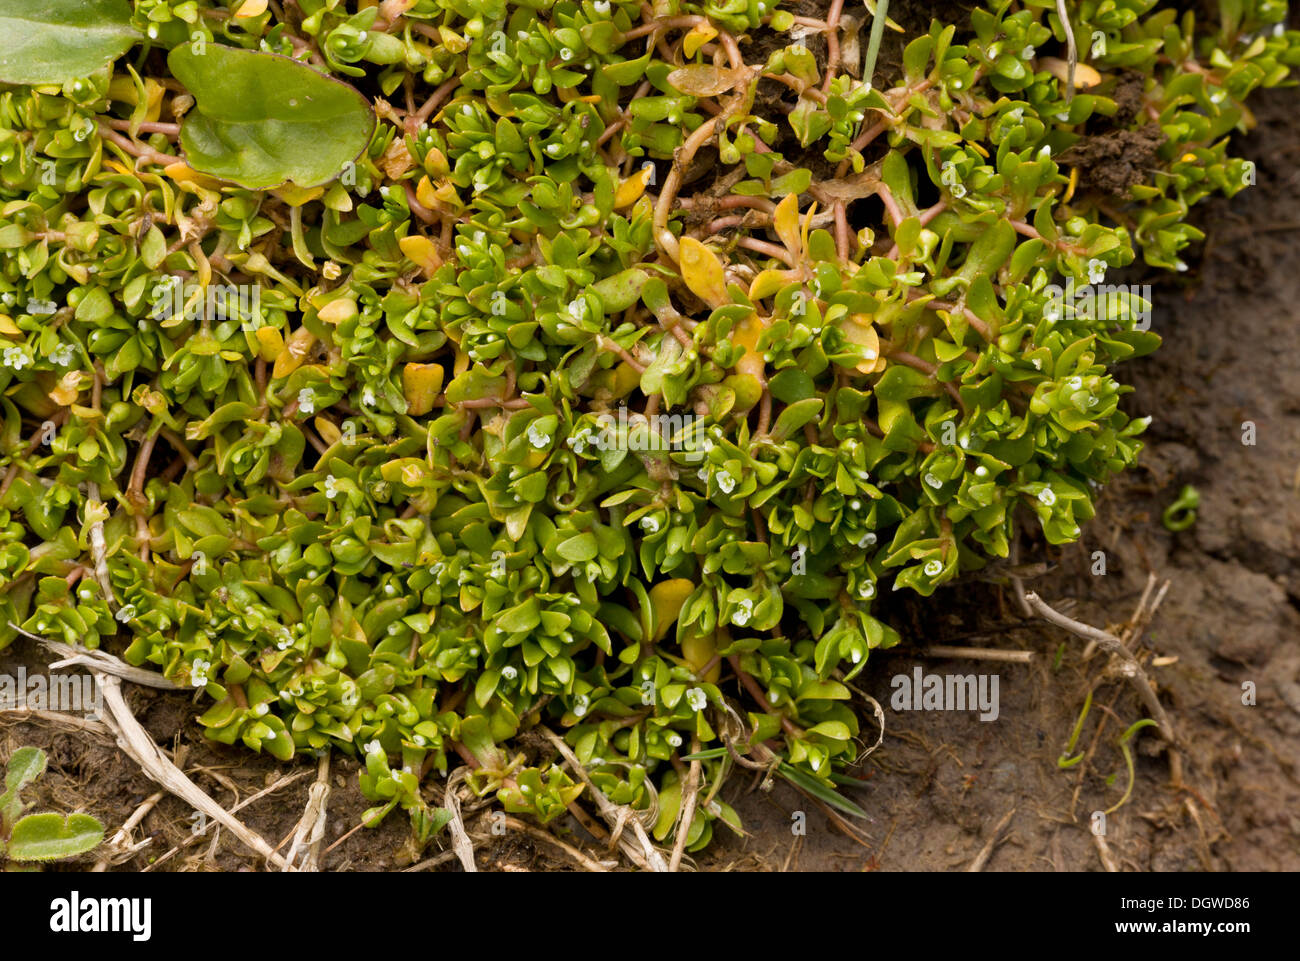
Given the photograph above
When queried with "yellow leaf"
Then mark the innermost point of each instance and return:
(786, 221)
(8, 327)
(420, 386)
(705, 80)
(421, 251)
(153, 98)
(269, 343)
(747, 334)
(295, 351)
(702, 272)
(666, 600)
(435, 162)
(766, 284)
(337, 311)
(425, 194)
(328, 430)
(698, 651)
(251, 8)
(296, 196)
(452, 41)
(337, 198)
(698, 37)
(859, 330)
(181, 172)
(631, 189)
(1084, 75)
(68, 389)
(807, 221)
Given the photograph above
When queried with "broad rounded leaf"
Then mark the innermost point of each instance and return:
(48, 837)
(25, 765)
(261, 120)
(53, 41)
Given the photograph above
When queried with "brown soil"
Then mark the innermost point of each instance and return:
(941, 781)
(1113, 162)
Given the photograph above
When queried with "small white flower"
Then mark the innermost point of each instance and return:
(1028, 53)
(1096, 271)
(674, 739)
(580, 705)
(368, 397)
(331, 487)
(566, 54)
(601, 7)
(855, 505)
(307, 401)
(17, 358)
(1038, 363)
(650, 524)
(63, 355)
(1046, 497)
(125, 613)
(740, 617)
(855, 656)
(933, 481)
(436, 569)
(509, 673)
(697, 699)
(726, 482)
(553, 149)
(981, 471)
(867, 590)
(1075, 383)
(932, 568)
(538, 437)
(867, 539)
